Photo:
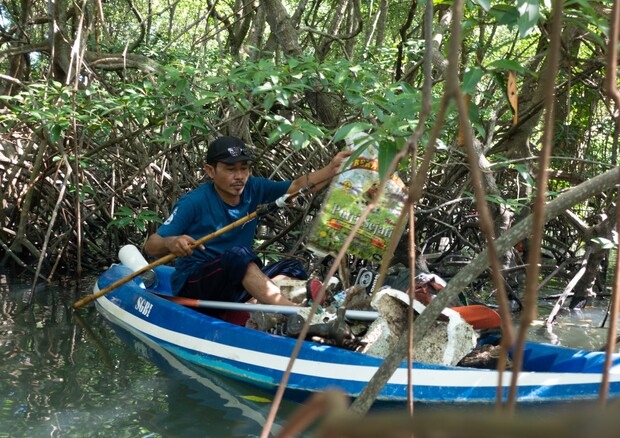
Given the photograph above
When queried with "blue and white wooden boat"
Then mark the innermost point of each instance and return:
(550, 373)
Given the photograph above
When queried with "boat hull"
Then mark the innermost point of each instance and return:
(553, 374)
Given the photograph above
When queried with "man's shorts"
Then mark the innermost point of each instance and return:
(220, 279)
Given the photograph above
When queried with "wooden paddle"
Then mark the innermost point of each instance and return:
(480, 317)
(168, 258)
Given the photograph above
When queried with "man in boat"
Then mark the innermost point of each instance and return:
(226, 268)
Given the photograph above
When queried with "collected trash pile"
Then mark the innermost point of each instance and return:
(348, 196)
(450, 341)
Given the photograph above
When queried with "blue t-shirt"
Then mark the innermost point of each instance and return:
(202, 212)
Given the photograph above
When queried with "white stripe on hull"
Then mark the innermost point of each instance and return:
(346, 372)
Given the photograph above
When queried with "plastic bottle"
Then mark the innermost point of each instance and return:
(131, 257)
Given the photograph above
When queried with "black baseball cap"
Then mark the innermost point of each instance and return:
(228, 150)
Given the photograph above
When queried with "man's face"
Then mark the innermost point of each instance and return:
(229, 179)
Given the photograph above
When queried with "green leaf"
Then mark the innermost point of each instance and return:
(149, 216)
(505, 14)
(529, 13)
(341, 76)
(471, 78)
(350, 129)
(387, 151)
(507, 64)
(280, 131)
(140, 225)
(359, 144)
(282, 96)
(186, 133)
(88, 189)
(268, 101)
(120, 222)
(523, 172)
(124, 211)
(267, 86)
(485, 4)
(495, 199)
(55, 133)
(407, 88)
(299, 140)
(168, 132)
(310, 128)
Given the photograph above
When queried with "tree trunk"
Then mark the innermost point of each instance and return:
(281, 25)
(326, 41)
(584, 290)
(244, 14)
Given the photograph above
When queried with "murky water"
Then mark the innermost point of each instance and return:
(66, 373)
(577, 328)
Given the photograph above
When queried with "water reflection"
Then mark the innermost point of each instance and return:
(243, 408)
(581, 328)
(67, 376)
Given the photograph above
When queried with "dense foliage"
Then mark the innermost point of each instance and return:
(107, 108)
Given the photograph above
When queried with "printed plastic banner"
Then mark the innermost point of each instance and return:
(348, 196)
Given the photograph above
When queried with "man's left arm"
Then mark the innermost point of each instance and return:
(320, 178)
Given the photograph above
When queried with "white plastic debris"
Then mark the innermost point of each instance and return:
(446, 344)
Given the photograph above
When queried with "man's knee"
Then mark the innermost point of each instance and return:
(286, 267)
(235, 261)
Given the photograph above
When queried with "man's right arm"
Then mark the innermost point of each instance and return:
(180, 246)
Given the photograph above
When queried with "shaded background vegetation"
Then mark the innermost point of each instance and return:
(107, 107)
